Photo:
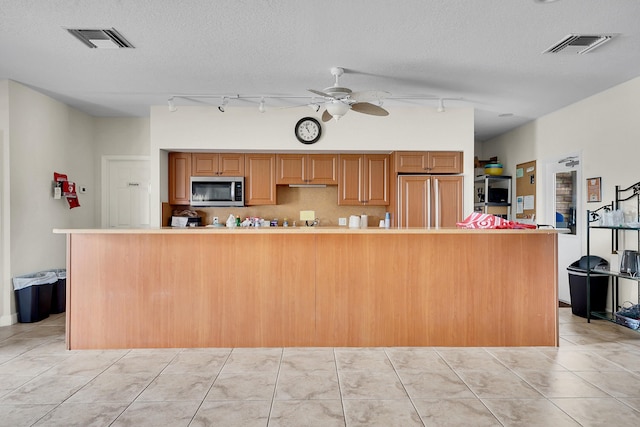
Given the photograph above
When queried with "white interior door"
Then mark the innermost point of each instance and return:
(128, 189)
(564, 209)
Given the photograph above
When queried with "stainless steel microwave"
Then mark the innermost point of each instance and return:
(217, 191)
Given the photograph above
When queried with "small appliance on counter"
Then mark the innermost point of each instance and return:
(185, 221)
(185, 218)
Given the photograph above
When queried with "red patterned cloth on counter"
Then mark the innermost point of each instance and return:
(480, 220)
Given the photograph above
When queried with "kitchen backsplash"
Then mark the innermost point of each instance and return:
(292, 200)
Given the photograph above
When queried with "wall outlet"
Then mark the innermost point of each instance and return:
(82, 189)
(342, 221)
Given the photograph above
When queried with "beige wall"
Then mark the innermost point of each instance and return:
(41, 136)
(604, 129)
(6, 299)
(116, 136)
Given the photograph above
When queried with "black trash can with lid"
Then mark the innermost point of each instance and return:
(59, 291)
(578, 285)
(33, 295)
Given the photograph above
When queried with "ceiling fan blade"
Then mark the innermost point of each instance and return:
(326, 116)
(369, 95)
(367, 108)
(319, 92)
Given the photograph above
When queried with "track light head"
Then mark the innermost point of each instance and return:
(261, 106)
(315, 107)
(441, 106)
(172, 106)
(224, 103)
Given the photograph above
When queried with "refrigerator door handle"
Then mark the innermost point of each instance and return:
(428, 222)
(437, 197)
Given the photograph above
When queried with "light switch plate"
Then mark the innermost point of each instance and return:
(342, 221)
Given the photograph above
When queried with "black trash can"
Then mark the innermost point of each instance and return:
(59, 291)
(578, 285)
(33, 295)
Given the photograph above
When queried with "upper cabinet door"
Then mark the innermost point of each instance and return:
(260, 179)
(411, 162)
(431, 162)
(377, 179)
(231, 164)
(217, 164)
(307, 169)
(204, 164)
(179, 178)
(322, 169)
(444, 162)
(363, 179)
(350, 179)
(291, 168)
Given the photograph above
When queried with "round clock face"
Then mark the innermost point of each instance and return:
(308, 130)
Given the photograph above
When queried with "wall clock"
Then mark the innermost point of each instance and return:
(308, 130)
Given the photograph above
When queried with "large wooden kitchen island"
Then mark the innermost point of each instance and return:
(310, 286)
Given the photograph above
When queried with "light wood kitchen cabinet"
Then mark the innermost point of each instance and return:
(217, 164)
(260, 179)
(179, 178)
(363, 179)
(307, 169)
(432, 162)
(429, 201)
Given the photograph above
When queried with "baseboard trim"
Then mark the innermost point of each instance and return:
(9, 319)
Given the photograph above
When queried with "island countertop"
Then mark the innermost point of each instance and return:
(310, 286)
(297, 229)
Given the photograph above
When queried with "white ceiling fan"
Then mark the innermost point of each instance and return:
(339, 100)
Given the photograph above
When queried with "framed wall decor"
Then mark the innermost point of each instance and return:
(594, 189)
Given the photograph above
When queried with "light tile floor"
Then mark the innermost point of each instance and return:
(592, 379)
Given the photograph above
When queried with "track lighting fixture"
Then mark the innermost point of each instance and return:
(441, 106)
(261, 106)
(315, 107)
(172, 106)
(225, 100)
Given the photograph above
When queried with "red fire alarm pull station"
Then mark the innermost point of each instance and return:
(66, 189)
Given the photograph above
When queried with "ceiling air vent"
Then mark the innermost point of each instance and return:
(581, 44)
(101, 38)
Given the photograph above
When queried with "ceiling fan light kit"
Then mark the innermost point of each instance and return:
(337, 108)
(339, 100)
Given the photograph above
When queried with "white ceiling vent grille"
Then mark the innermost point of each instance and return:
(581, 44)
(101, 38)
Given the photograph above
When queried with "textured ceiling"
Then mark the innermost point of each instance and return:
(487, 54)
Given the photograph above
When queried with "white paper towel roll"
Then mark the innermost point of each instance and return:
(354, 221)
(364, 221)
